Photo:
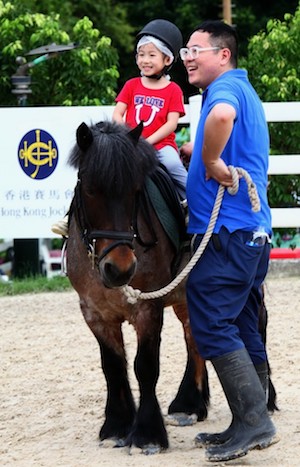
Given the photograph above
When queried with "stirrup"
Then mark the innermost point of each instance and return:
(184, 205)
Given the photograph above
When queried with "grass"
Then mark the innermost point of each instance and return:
(36, 284)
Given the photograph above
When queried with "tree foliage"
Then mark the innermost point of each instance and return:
(121, 20)
(273, 67)
(86, 75)
(249, 16)
(273, 59)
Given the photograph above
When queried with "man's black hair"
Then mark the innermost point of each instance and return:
(222, 34)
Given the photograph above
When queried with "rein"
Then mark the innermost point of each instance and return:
(90, 236)
(133, 295)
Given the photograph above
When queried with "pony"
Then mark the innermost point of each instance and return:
(116, 238)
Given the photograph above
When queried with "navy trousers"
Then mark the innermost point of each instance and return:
(224, 294)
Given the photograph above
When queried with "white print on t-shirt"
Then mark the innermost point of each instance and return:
(154, 102)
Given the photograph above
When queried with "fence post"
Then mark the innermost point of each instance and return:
(195, 108)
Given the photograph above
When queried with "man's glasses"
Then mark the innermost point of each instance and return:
(194, 52)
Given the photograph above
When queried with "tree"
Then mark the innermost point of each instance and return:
(273, 67)
(108, 16)
(121, 20)
(249, 16)
(87, 75)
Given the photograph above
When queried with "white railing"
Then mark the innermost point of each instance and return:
(29, 207)
(279, 165)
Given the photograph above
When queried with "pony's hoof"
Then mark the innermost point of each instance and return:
(120, 443)
(113, 442)
(147, 450)
(151, 449)
(181, 419)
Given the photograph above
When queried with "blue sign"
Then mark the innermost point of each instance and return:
(38, 154)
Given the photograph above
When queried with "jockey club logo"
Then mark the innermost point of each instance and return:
(38, 154)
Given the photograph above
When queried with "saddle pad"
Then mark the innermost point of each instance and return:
(166, 218)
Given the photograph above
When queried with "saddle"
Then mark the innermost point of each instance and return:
(165, 201)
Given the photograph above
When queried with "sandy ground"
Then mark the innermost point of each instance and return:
(53, 391)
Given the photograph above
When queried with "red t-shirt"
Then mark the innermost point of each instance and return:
(152, 106)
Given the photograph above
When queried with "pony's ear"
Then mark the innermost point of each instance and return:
(84, 136)
(136, 132)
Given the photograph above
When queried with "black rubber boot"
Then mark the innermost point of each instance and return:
(208, 439)
(252, 426)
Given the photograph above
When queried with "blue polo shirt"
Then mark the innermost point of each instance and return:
(248, 147)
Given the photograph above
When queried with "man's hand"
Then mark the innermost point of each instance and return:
(219, 171)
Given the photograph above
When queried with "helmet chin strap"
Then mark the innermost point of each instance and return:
(159, 75)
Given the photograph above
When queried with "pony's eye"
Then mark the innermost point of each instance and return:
(90, 192)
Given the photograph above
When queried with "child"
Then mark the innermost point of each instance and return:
(154, 99)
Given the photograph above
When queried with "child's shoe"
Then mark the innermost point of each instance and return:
(61, 227)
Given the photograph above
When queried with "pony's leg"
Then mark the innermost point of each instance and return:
(148, 431)
(191, 401)
(120, 408)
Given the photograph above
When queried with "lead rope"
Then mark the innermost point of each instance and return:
(133, 295)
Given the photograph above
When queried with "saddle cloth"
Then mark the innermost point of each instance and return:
(166, 203)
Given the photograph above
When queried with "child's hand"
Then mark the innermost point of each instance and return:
(186, 151)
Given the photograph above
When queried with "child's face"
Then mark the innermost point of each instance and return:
(151, 60)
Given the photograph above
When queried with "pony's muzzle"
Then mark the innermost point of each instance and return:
(118, 270)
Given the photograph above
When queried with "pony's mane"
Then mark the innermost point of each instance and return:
(114, 163)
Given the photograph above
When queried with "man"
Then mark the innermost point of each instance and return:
(224, 288)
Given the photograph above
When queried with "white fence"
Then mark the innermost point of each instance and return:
(29, 205)
(280, 164)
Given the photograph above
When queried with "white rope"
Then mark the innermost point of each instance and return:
(133, 295)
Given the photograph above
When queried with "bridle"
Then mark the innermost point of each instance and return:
(90, 236)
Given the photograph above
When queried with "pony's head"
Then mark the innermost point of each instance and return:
(112, 162)
(111, 158)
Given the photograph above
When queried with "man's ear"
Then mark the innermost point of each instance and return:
(226, 55)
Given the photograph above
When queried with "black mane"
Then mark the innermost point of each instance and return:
(114, 163)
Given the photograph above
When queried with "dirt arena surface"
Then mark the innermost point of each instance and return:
(53, 390)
